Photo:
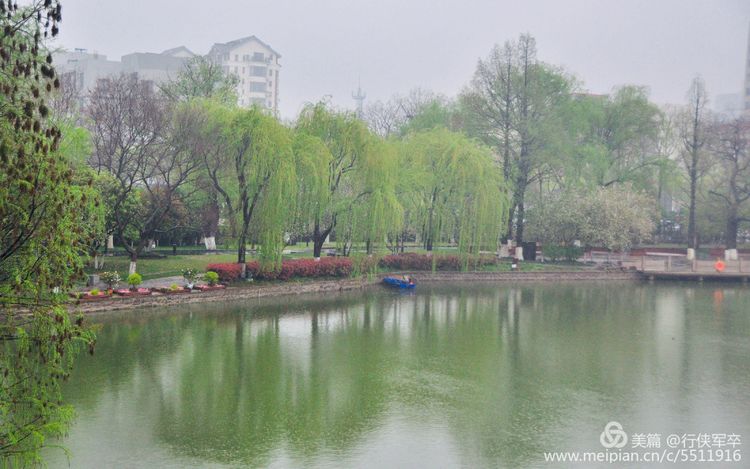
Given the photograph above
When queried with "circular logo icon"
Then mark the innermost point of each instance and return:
(613, 436)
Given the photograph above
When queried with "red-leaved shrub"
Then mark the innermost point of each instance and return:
(294, 268)
(407, 261)
(325, 267)
(227, 271)
(414, 261)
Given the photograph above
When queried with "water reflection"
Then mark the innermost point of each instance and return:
(471, 376)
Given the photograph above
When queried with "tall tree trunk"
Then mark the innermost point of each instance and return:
(319, 237)
(133, 263)
(241, 251)
(317, 247)
(511, 216)
(692, 239)
(732, 227)
(521, 182)
(519, 221)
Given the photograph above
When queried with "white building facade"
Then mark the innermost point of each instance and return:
(256, 66)
(254, 63)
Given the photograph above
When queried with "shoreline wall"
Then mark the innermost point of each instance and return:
(323, 286)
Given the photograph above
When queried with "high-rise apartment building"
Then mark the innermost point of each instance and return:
(256, 65)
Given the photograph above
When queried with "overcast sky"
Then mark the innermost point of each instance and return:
(327, 46)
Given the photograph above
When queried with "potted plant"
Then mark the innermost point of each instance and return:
(134, 280)
(190, 275)
(112, 279)
(93, 294)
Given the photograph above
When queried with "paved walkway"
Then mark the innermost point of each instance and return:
(157, 282)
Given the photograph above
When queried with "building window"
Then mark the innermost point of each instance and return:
(257, 87)
(257, 71)
(270, 73)
(258, 101)
(258, 57)
(236, 58)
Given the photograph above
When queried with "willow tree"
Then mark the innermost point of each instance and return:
(457, 190)
(255, 173)
(346, 138)
(43, 214)
(375, 213)
(312, 159)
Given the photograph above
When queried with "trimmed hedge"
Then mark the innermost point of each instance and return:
(227, 271)
(294, 268)
(414, 261)
(562, 252)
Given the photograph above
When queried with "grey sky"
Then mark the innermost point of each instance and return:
(395, 45)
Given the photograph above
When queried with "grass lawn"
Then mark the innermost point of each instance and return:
(152, 268)
(163, 267)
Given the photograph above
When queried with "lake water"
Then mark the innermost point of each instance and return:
(485, 375)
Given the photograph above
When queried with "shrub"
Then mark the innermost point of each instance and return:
(253, 268)
(190, 275)
(556, 252)
(325, 267)
(174, 287)
(211, 277)
(94, 292)
(227, 272)
(451, 262)
(293, 268)
(363, 265)
(134, 280)
(112, 279)
(407, 261)
(414, 261)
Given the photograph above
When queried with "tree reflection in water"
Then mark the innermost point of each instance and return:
(504, 372)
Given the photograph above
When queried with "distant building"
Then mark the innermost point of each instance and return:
(158, 68)
(256, 65)
(729, 104)
(83, 69)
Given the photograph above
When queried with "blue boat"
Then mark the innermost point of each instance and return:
(400, 282)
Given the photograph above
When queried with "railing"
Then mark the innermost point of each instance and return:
(679, 263)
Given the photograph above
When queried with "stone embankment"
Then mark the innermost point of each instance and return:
(323, 286)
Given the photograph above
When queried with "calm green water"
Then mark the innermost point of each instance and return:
(468, 376)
